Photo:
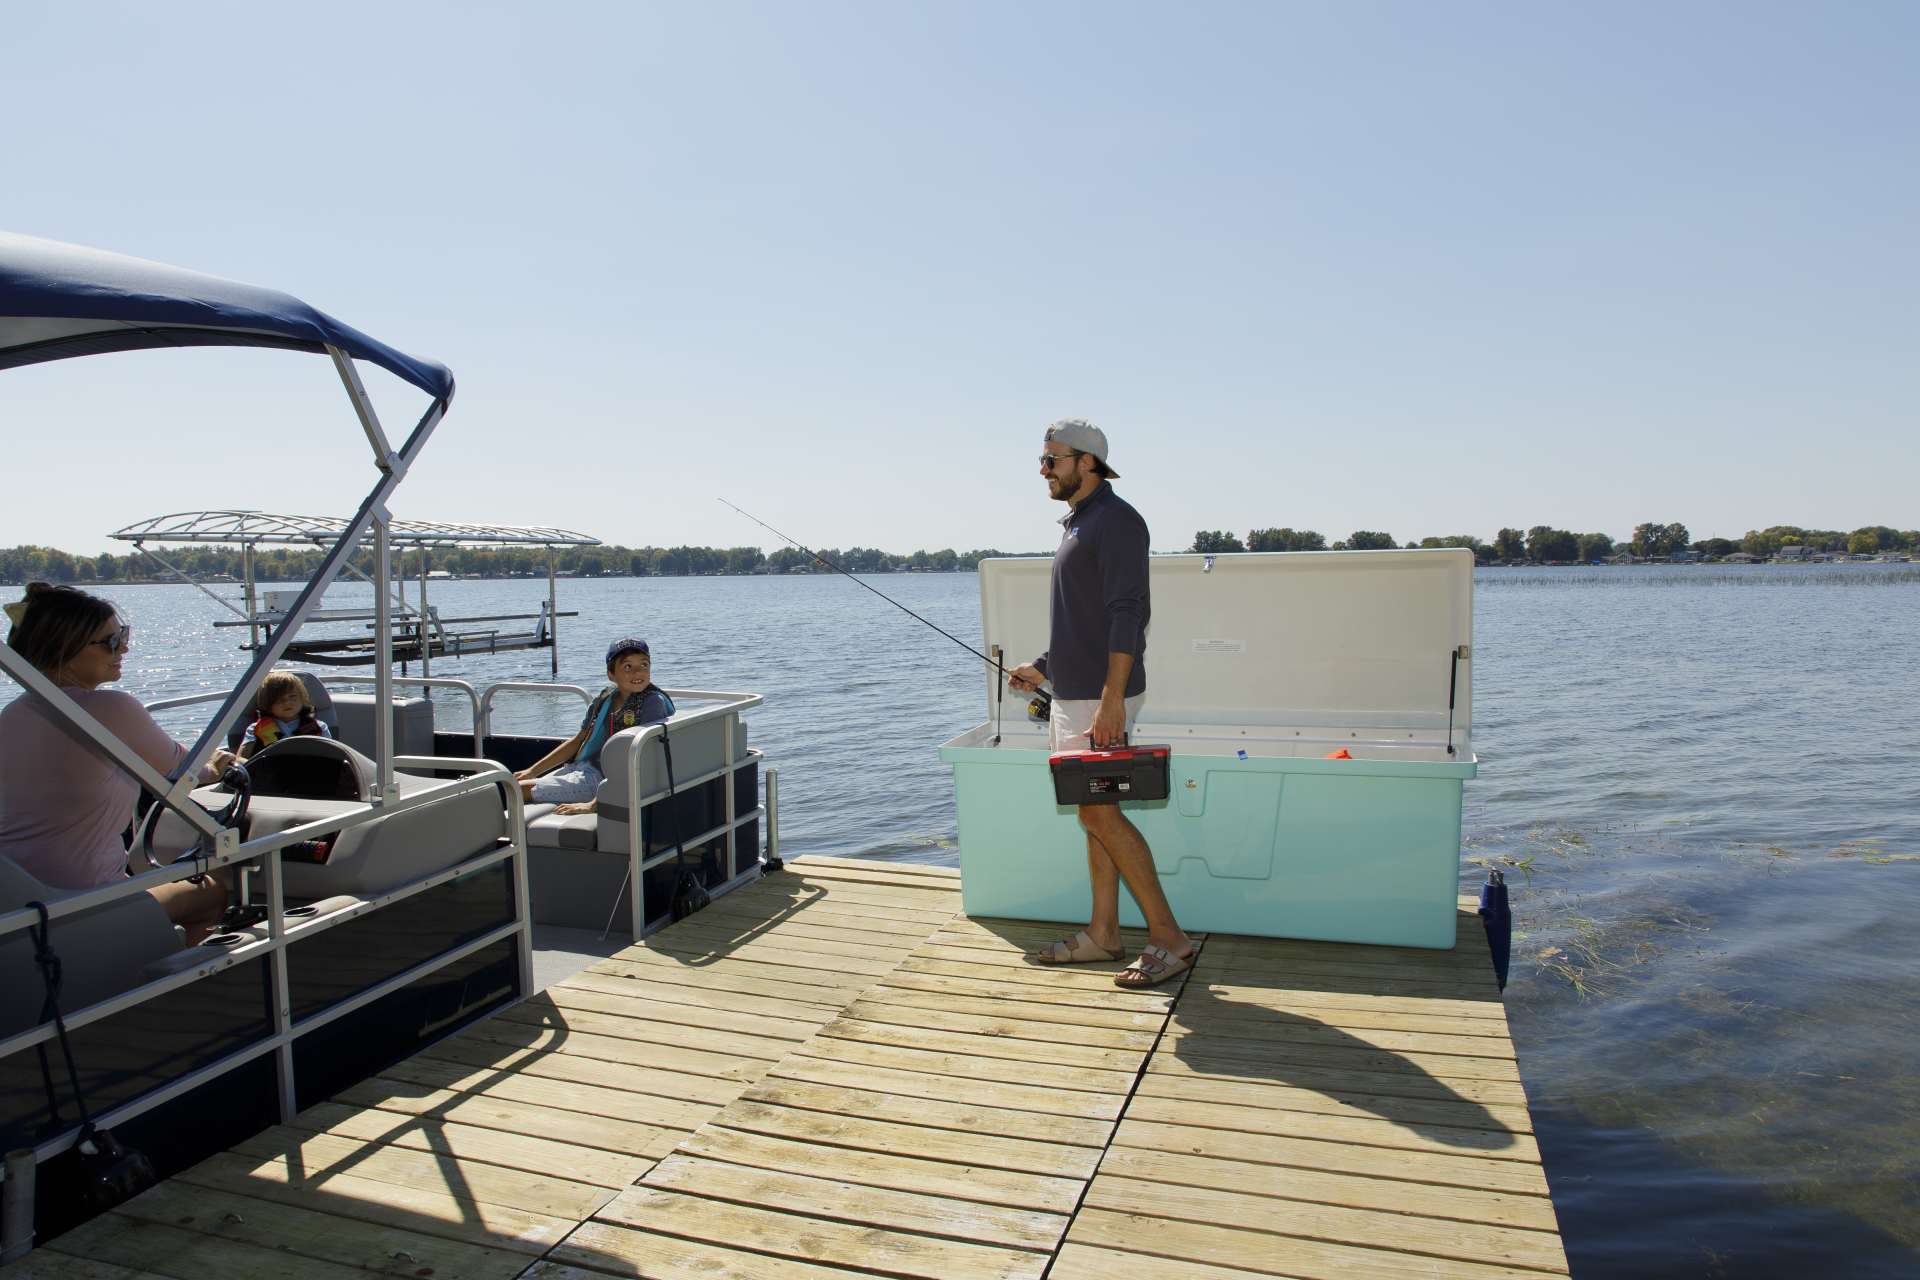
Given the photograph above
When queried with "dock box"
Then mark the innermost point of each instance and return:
(1259, 668)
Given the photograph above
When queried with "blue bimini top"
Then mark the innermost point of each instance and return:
(61, 300)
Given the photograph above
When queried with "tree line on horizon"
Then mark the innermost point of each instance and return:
(288, 564)
(1544, 544)
(1541, 544)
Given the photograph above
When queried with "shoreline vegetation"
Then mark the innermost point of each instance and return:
(1541, 544)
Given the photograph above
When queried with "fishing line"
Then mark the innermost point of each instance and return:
(1042, 702)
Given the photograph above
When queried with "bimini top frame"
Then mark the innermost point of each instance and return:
(58, 301)
(251, 529)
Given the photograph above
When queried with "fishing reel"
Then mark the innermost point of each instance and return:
(1040, 708)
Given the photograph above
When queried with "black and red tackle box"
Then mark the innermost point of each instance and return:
(1108, 777)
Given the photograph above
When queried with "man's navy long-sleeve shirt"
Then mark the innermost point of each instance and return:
(1100, 603)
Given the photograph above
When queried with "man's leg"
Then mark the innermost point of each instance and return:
(1125, 852)
(1104, 925)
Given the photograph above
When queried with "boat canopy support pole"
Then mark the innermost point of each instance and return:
(253, 603)
(553, 612)
(383, 455)
(383, 664)
(269, 653)
(426, 640)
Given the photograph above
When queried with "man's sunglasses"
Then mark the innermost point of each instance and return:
(119, 640)
(1049, 460)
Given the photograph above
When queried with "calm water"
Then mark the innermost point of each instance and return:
(1702, 780)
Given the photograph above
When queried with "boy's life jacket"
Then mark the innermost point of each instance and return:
(649, 706)
(266, 729)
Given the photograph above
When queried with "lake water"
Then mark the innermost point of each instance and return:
(1702, 781)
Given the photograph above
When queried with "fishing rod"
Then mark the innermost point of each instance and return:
(1038, 709)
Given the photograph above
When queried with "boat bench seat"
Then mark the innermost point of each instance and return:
(577, 864)
(103, 951)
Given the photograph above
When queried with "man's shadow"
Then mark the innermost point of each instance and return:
(1344, 1059)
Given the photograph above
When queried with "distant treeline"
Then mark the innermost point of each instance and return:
(1543, 544)
(285, 564)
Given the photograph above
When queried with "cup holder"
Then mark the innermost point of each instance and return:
(301, 913)
(224, 940)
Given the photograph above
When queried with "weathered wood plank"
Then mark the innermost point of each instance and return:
(601, 1249)
(302, 1231)
(819, 1240)
(1108, 1068)
(1470, 1204)
(636, 1027)
(876, 1169)
(429, 1210)
(576, 1128)
(1360, 1130)
(860, 1133)
(539, 1057)
(312, 1157)
(563, 1095)
(896, 1072)
(189, 1255)
(1446, 1238)
(811, 1197)
(875, 1006)
(1446, 1169)
(1289, 1256)
(1285, 1096)
(639, 1002)
(930, 1108)
(1105, 1088)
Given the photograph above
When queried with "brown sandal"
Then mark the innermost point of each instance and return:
(1153, 967)
(1079, 949)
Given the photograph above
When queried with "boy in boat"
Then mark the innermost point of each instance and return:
(569, 775)
(282, 711)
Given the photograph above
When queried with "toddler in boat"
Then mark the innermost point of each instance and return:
(282, 711)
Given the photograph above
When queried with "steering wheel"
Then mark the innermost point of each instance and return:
(232, 814)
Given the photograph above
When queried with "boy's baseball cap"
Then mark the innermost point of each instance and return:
(1078, 433)
(621, 648)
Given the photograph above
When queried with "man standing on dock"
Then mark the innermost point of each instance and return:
(1097, 623)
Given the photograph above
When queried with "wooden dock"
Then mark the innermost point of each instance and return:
(834, 1072)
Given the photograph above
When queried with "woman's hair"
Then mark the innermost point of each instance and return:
(278, 685)
(53, 625)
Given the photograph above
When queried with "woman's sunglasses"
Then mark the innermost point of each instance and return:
(119, 640)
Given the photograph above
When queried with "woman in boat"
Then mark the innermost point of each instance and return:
(63, 801)
(569, 775)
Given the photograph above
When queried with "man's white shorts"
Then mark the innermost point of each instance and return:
(1072, 720)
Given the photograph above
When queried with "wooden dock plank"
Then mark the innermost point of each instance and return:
(782, 1234)
(825, 1198)
(315, 1234)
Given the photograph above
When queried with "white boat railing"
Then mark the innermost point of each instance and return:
(477, 774)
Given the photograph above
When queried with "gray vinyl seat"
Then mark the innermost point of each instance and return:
(577, 864)
(103, 950)
(300, 780)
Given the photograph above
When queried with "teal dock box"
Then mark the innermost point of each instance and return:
(1258, 667)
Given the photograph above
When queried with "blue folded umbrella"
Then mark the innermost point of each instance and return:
(1498, 919)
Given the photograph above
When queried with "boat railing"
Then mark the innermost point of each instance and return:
(726, 708)
(483, 719)
(476, 774)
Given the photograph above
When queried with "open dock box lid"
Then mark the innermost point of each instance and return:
(1289, 653)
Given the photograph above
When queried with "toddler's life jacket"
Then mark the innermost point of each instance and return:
(266, 729)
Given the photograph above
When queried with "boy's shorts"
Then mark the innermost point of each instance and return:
(572, 784)
(1072, 719)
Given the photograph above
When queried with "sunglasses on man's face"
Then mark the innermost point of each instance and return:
(1048, 461)
(117, 642)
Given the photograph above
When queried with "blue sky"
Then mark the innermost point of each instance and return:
(1427, 268)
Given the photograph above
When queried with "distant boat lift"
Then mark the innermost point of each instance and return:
(419, 633)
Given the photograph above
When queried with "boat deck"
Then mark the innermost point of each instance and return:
(835, 1072)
